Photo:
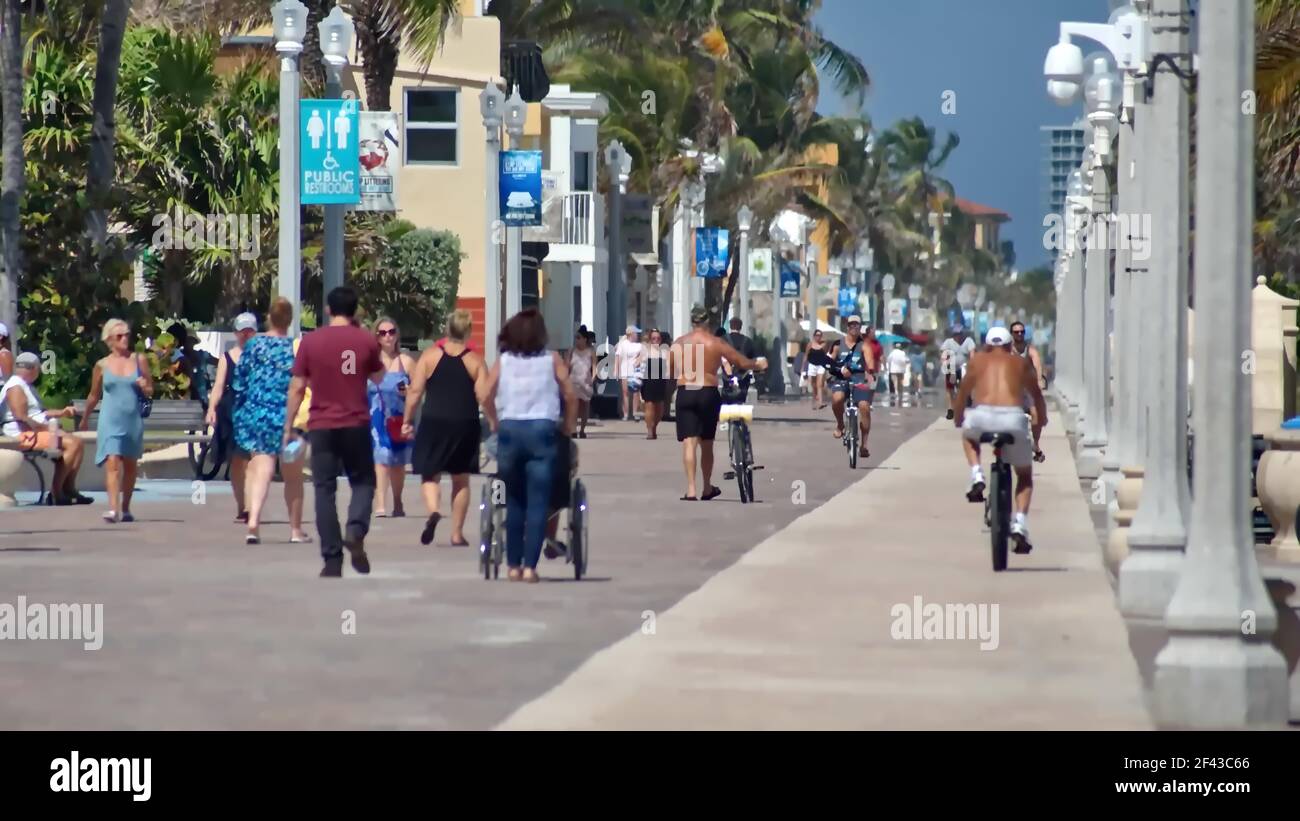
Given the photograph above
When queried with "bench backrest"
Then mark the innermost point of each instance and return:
(167, 415)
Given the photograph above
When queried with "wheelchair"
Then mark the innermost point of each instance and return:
(570, 493)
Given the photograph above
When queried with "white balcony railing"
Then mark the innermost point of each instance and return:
(578, 218)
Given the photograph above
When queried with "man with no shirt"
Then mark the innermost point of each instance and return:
(695, 359)
(998, 380)
(1020, 347)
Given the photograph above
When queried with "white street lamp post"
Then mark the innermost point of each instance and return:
(619, 165)
(1101, 93)
(744, 218)
(290, 23)
(1077, 206)
(491, 104)
(336, 32)
(516, 113)
(1159, 531)
(1211, 675)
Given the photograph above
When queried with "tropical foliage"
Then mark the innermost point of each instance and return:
(1277, 88)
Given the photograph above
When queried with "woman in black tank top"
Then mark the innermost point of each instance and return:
(450, 377)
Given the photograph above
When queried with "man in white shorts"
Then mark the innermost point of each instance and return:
(997, 380)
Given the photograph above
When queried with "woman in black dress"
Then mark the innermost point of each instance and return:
(455, 379)
(655, 381)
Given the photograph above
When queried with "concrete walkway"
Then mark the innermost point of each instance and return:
(797, 633)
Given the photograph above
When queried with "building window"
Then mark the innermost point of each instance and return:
(582, 171)
(431, 126)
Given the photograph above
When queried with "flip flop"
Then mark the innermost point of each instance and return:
(688, 499)
(1039, 456)
(304, 539)
(712, 494)
(426, 535)
(461, 543)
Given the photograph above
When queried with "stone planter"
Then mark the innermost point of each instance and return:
(1278, 483)
(1117, 542)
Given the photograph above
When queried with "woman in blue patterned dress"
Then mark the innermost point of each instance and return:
(388, 401)
(262, 389)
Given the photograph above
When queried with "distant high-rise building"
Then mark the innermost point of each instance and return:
(1062, 152)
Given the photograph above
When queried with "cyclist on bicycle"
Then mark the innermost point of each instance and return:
(953, 356)
(853, 373)
(998, 380)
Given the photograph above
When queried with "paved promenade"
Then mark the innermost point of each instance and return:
(799, 632)
(204, 632)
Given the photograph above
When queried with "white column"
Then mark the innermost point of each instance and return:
(492, 249)
(1096, 359)
(1159, 532)
(1075, 344)
(1212, 673)
(681, 274)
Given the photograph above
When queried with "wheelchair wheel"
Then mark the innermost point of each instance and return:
(485, 530)
(579, 546)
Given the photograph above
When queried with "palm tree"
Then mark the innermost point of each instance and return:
(385, 26)
(1277, 84)
(916, 156)
(99, 175)
(13, 181)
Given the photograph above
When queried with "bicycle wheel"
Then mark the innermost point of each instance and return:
(736, 445)
(851, 441)
(578, 547)
(207, 458)
(1000, 527)
(485, 530)
(749, 461)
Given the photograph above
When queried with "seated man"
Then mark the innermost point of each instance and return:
(25, 419)
(997, 380)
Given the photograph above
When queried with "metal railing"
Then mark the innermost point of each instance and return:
(578, 218)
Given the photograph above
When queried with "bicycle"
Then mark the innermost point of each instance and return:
(997, 503)
(740, 446)
(852, 432)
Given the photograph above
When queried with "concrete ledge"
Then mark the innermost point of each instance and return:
(171, 462)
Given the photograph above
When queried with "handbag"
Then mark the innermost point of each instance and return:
(145, 403)
(392, 424)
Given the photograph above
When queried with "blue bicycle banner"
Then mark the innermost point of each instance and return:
(712, 252)
(790, 277)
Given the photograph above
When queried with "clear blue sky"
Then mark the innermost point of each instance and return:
(990, 53)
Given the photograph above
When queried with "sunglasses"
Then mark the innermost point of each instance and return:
(1017, 333)
(389, 332)
(119, 336)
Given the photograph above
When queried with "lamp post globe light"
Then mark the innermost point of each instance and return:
(515, 114)
(289, 19)
(336, 32)
(491, 105)
(744, 220)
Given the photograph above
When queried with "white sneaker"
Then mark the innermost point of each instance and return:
(1020, 535)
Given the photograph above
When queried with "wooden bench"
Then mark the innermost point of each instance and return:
(172, 421)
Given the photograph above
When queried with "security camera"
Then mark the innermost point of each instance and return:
(1064, 63)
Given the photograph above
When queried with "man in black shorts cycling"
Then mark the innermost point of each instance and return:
(853, 373)
(694, 360)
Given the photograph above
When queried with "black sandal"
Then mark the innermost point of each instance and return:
(1039, 456)
(688, 499)
(426, 535)
(712, 494)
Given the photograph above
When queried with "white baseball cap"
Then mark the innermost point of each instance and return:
(997, 337)
(852, 319)
(632, 329)
(246, 322)
(4, 330)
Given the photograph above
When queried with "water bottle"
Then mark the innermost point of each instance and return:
(292, 451)
(55, 449)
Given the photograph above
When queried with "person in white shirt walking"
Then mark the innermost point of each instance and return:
(627, 358)
(898, 364)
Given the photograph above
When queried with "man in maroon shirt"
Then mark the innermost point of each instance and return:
(335, 362)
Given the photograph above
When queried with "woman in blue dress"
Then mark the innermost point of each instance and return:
(262, 390)
(388, 401)
(119, 381)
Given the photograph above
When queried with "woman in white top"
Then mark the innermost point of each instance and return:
(526, 386)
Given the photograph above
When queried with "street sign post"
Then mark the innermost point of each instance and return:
(331, 160)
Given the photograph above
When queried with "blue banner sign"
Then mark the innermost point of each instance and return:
(521, 188)
(712, 252)
(328, 143)
(789, 278)
(848, 301)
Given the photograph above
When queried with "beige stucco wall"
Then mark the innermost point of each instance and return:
(452, 197)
